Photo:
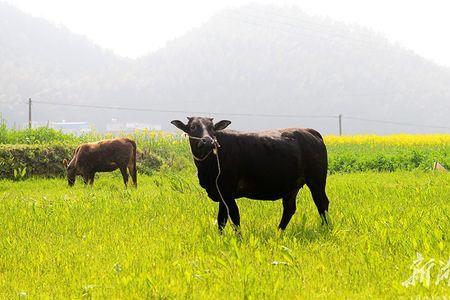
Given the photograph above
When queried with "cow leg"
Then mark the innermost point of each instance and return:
(320, 198)
(86, 178)
(124, 175)
(222, 217)
(91, 180)
(133, 173)
(234, 213)
(289, 207)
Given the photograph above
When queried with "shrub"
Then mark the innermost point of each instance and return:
(22, 161)
(40, 160)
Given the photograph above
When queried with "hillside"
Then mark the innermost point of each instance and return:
(255, 59)
(246, 60)
(46, 62)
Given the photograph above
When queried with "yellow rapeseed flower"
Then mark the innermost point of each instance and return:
(390, 140)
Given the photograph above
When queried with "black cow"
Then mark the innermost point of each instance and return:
(266, 165)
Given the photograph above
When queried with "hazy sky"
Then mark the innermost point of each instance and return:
(135, 27)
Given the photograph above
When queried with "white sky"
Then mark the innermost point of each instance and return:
(135, 27)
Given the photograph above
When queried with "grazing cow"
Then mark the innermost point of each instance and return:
(266, 165)
(103, 156)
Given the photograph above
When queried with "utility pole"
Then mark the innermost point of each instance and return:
(29, 113)
(340, 124)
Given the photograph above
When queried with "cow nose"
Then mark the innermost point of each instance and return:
(206, 140)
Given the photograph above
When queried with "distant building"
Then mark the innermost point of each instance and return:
(76, 128)
(115, 126)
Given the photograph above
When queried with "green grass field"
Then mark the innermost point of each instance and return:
(161, 240)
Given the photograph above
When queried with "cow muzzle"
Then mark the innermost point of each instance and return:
(206, 141)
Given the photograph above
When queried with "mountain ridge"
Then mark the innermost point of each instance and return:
(254, 59)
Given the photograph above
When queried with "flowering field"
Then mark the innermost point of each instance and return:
(387, 153)
(388, 237)
(160, 150)
(403, 140)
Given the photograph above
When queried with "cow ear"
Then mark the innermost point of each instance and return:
(65, 163)
(180, 125)
(221, 125)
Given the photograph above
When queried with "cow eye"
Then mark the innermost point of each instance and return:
(193, 126)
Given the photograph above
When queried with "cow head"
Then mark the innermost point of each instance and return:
(71, 172)
(202, 132)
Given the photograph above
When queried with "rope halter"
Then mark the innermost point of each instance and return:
(215, 148)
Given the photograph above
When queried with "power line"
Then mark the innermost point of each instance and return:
(340, 117)
(311, 36)
(187, 112)
(395, 123)
(314, 33)
(319, 26)
(316, 30)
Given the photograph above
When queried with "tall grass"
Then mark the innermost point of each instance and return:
(161, 241)
(39, 135)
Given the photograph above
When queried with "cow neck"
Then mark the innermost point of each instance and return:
(73, 161)
(215, 150)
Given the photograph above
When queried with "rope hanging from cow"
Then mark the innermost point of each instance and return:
(203, 158)
(214, 150)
